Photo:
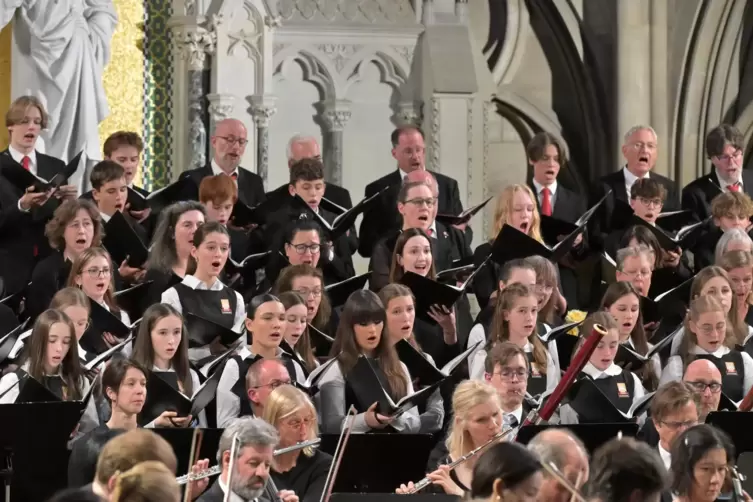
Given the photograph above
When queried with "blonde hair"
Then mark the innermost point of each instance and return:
(17, 111)
(146, 482)
(737, 259)
(699, 306)
(286, 400)
(468, 394)
(736, 329)
(503, 209)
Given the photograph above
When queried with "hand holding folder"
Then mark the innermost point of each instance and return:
(162, 397)
(343, 222)
(419, 367)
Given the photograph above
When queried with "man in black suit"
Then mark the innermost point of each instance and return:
(382, 218)
(546, 156)
(640, 150)
(255, 450)
(306, 147)
(23, 214)
(724, 147)
(228, 144)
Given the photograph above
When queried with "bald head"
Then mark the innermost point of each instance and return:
(567, 453)
(302, 147)
(264, 376)
(229, 143)
(701, 374)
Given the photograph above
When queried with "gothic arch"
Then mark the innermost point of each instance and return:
(314, 70)
(391, 71)
(506, 45)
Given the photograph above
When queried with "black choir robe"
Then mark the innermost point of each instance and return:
(250, 185)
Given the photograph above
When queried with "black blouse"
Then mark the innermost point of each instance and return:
(307, 477)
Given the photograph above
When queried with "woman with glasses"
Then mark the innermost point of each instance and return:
(74, 227)
(308, 282)
(202, 293)
(303, 471)
(92, 272)
(707, 337)
(702, 458)
(265, 327)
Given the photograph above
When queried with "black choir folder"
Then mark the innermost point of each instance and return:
(244, 215)
(132, 300)
(419, 367)
(684, 238)
(122, 242)
(161, 197)
(464, 217)
(23, 179)
(311, 385)
(511, 243)
(32, 391)
(321, 342)
(553, 334)
(162, 395)
(628, 358)
(342, 222)
(339, 292)
(368, 390)
(9, 340)
(102, 321)
(593, 406)
(202, 332)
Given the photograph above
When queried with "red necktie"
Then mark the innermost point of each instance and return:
(735, 187)
(430, 232)
(546, 202)
(26, 161)
(234, 176)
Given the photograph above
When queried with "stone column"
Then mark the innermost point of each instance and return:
(221, 107)
(335, 115)
(409, 113)
(262, 109)
(194, 43)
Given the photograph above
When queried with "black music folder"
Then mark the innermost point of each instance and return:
(9, 340)
(673, 221)
(31, 390)
(162, 395)
(593, 406)
(102, 321)
(320, 341)
(311, 385)
(736, 424)
(368, 390)
(420, 367)
(202, 332)
(122, 242)
(244, 215)
(343, 222)
(132, 300)
(339, 292)
(627, 357)
(684, 238)
(511, 244)
(464, 217)
(162, 197)
(23, 179)
(554, 333)
(107, 355)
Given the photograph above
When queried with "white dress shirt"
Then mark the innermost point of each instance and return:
(666, 457)
(631, 178)
(724, 184)
(18, 157)
(216, 169)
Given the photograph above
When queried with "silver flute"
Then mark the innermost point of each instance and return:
(216, 469)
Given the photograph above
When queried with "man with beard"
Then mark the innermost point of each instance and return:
(561, 448)
(253, 458)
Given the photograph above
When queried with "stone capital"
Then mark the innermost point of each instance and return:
(220, 106)
(335, 114)
(409, 113)
(194, 43)
(263, 109)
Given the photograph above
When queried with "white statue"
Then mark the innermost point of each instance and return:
(66, 45)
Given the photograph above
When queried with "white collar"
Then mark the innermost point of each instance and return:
(631, 178)
(539, 187)
(194, 283)
(216, 169)
(433, 228)
(104, 217)
(724, 184)
(666, 457)
(18, 156)
(720, 352)
(517, 413)
(595, 373)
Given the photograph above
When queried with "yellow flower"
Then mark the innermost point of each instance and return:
(575, 316)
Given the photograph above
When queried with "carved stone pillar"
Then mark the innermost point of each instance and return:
(262, 109)
(409, 113)
(335, 115)
(194, 43)
(221, 107)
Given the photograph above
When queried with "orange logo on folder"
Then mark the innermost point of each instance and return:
(622, 390)
(225, 304)
(730, 367)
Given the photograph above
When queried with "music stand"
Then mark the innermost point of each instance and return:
(380, 497)
(30, 432)
(379, 463)
(181, 439)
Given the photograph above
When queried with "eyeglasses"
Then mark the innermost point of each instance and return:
(305, 292)
(677, 425)
(735, 156)
(636, 273)
(296, 423)
(708, 330)
(231, 140)
(641, 145)
(302, 248)
(701, 387)
(273, 384)
(650, 202)
(420, 202)
(95, 272)
(509, 373)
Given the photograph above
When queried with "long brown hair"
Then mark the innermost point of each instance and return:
(396, 270)
(364, 307)
(291, 299)
(737, 259)
(546, 276)
(201, 234)
(285, 283)
(77, 269)
(737, 330)
(389, 293)
(36, 349)
(614, 292)
(500, 330)
(143, 349)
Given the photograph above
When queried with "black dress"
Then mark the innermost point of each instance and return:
(307, 477)
(441, 456)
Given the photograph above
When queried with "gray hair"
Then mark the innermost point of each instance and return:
(730, 236)
(634, 252)
(637, 128)
(251, 431)
(298, 138)
(554, 451)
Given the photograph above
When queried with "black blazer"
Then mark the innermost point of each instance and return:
(333, 193)
(382, 218)
(22, 239)
(601, 226)
(698, 194)
(568, 205)
(250, 185)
